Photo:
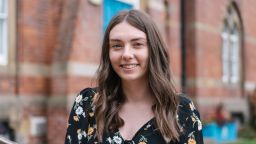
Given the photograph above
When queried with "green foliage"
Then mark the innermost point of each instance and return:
(247, 132)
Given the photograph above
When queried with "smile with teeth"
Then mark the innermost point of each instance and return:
(128, 66)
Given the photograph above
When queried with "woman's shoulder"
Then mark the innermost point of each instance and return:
(186, 107)
(87, 91)
(85, 96)
(185, 103)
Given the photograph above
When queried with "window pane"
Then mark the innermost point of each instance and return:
(235, 49)
(225, 54)
(1, 36)
(3, 32)
(235, 60)
(225, 47)
(234, 55)
(2, 6)
(225, 75)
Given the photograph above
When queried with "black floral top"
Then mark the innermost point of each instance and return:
(82, 125)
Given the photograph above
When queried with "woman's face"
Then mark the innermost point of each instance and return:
(128, 52)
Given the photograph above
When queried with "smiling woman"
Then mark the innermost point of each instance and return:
(135, 101)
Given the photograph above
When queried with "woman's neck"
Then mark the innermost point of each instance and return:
(137, 91)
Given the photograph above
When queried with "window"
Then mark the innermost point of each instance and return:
(112, 7)
(3, 32)
(231, 47)
(225, 54)
(234, 55)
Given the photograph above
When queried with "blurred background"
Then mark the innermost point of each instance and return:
(50, 49)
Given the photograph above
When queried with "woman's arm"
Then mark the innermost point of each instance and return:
(78, 119)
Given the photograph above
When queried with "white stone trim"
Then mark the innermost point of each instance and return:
(81, 69)
(250, 39)
(57, 101)
(43, 100)
(58, 69)
(250, 85)
(72, 68)
(206, 27)
(29, 69)
(156, 5)
(8, 103)
(205, 82)
(32, 100)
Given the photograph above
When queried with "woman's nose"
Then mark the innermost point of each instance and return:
(127, 53)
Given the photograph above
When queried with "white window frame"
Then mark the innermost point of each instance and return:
(4, 35)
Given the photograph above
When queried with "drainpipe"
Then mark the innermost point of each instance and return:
(183, 44)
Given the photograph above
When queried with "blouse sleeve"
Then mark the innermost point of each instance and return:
(78, 122)
(190, 123)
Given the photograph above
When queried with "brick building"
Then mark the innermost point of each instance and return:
(49, 51)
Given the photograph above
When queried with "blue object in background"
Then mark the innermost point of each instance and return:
(221, 134)
(111, 8)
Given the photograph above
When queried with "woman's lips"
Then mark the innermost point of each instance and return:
(128, 66)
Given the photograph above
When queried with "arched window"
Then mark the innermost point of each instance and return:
(231, 46)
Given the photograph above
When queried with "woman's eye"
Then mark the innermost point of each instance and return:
(115, 46)
(138, 44)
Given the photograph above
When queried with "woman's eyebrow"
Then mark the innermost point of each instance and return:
(115, 40)
(134, 39)
(137, 39)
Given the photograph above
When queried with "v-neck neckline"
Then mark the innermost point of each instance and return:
(141, 129)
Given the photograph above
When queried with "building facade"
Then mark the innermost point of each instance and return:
(49, 51)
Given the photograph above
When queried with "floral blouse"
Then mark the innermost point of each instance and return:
(82, 125)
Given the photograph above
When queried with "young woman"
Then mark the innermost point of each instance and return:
(135, 101)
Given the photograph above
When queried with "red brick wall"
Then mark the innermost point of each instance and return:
(38, 26)
(247, 14)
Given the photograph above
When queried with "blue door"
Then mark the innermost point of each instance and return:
(111, 8)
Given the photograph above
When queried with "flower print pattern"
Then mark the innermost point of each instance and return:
(117, 139)
(109, 140)
(195, 119)
(68, 139)
(79, 98)
(82, 124)
(192, 106)
(90, 130)
(79, 110)
(91, 114)
(143, 140)
(80, 134)
(76, 118)
(191, 141)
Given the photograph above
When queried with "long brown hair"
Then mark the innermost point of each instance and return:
(110, 96)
